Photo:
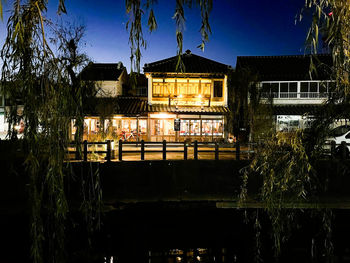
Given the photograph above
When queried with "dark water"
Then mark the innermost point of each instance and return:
(164, 233)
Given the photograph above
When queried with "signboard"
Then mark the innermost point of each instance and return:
(188, 102)
(176, 124)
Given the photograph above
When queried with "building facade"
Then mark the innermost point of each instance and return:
(178, 107)
(190, 105)
(287, 82)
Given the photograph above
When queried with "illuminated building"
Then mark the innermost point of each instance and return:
(178, 107)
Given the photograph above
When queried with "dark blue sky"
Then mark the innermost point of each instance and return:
(239, 28)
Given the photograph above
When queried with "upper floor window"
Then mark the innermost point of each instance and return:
(312, 89)
(218, 89)
(290, 90)
(163, 87)
(188, 87)
(270, 90)
(206, 87)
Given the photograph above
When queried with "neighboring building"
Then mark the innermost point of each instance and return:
(110, 78)
(138, 85)
(287, 82)
(178, 106)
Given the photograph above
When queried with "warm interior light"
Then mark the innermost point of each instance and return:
(162, 116)
(200, 96)
(178, 259)
(180, 96)
(198, 258)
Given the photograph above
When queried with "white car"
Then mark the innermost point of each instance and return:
(339, 134)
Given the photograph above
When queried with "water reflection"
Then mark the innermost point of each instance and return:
(190, 255)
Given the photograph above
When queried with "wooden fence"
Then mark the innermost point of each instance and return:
(85, 151)
(142, 148)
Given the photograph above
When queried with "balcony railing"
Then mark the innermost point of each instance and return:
(295, 95)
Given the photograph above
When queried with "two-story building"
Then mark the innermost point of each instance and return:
(287, 82)
(190, 105)
(177, 106)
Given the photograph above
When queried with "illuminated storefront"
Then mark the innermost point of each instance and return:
(157, 127)
(192, 127)
(115, 128)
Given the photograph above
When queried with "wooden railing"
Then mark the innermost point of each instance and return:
(197, 148)
(85, 151)
(140, 149)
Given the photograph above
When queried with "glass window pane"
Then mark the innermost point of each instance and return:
(169, 87)
(142, 127)
(217, 127)
(292, 90)
(284, 87)
(218, 85)
(275, 90)
(274, 87)
(206, 88)
(292, 87)
(133, 125)
(117, 127)
(158, 88)
(304, 87)
(193, 88)
(156, 127)
(195, 127)
(182, 88)
(169, 127)
(313, 87)
(266, 87)
(207, 127)
(184, 127)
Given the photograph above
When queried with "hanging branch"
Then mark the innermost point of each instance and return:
(61, 7)
(180, 20)
(205, 30)
(134, 25)
(331, 19)
(152, 22)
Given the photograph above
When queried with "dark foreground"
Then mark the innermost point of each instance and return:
(179, 212)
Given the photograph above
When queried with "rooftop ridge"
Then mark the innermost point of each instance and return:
(160, 62)
(285, 56)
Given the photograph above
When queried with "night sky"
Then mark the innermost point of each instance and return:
(239, 28)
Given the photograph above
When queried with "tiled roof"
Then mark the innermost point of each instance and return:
(130, 106)
(306, 109)
(286, 68)
(137, 106)
(187, 109)
(102, 71)
(119, 105)
(193, 64)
